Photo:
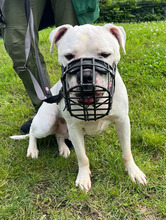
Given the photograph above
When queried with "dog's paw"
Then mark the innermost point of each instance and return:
(64, 151)
(135, 173)
(33, 153)
(83, 179)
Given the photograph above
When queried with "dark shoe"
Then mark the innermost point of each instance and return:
(69, 143)
(26, 127)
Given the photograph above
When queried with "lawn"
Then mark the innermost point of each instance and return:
(44, 188)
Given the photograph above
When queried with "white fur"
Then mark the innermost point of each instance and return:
(86, 41)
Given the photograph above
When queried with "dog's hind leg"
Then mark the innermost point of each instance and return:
(123, 130)
(63, 148)
(32, 150)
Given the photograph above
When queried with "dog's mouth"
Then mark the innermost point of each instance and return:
(87, 94)
(89, 98)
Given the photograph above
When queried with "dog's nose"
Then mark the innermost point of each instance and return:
(87, 77)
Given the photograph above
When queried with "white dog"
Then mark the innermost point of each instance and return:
(74, 43)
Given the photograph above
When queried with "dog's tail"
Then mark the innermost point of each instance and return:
(19, 137)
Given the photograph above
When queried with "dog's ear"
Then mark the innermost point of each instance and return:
(57, 34)
(119, 33)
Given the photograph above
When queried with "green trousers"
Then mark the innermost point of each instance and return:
(65, 12)
(14, 36)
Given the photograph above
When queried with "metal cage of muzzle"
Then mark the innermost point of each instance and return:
(75, 96)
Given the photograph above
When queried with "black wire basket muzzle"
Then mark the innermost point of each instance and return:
(87, 100)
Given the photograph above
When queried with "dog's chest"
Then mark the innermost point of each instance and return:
(92, 128)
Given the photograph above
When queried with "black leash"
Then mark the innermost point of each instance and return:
(55, 99)
(43, 92)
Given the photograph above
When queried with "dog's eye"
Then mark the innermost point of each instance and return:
(104, 55)
(69, 56)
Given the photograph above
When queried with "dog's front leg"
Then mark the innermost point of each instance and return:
(123, 130)
(32, 150)
(83, 177)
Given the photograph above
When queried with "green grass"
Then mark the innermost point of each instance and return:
(44, 188)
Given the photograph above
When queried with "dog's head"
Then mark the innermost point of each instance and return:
(89, 55)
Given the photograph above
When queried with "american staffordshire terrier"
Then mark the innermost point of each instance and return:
(97, 43)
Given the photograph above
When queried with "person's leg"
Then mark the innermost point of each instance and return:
(14, 41)
(64, 12)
